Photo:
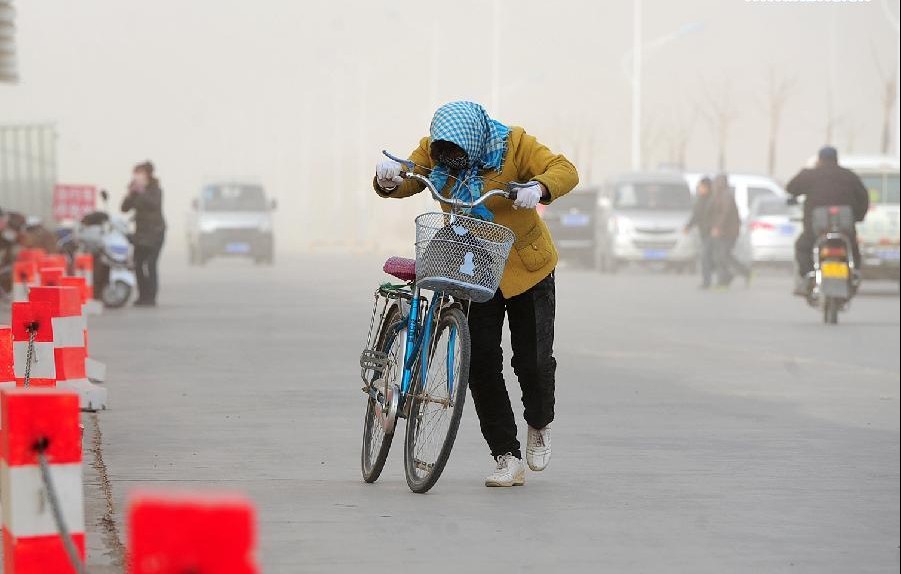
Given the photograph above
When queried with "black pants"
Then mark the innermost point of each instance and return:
(707, 262)
(146, 257)
(804, 251)
(531, 317)
(725, 262)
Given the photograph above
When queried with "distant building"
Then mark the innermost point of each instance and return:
(8, 70)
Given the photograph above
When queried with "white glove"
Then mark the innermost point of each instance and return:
(528, 197)
(387, 174)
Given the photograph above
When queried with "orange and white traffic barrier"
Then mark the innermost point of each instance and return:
(51, 276)
(53, 260)
(68, 327)
(84, 267)
(7, 372)
(25, 276)
(35, 423)
(33, 356)
(30, 254)
(202, 533)
(95, 370)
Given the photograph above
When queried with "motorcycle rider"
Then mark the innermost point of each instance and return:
(827, 183)
(463, 142)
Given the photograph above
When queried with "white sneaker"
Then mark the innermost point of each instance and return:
(509, 472)
(538, 448)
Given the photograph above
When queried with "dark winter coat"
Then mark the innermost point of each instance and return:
(150, 227)
(830, 184)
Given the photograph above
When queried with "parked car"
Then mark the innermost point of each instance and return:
(641, 217)
(879, 234)
(231, 219)
(773, 227)
(573, 222)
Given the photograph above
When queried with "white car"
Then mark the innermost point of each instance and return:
(773, 226)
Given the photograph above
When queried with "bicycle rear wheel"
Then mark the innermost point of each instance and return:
(437, 406)
(377, 443)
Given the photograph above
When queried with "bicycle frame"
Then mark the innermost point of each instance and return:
(419, 331)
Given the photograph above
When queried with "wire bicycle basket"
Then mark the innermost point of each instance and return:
(461, 256)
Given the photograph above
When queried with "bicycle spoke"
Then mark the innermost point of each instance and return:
(435, 406)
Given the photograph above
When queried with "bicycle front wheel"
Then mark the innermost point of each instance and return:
(437, 404)
(376, 442)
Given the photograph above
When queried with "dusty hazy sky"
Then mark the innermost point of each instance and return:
(302, 95)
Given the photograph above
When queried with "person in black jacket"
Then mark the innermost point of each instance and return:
(146, 198)
(701, 218)
(825, 184)
(725, 228)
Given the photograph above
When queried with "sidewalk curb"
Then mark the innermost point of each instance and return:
(105, 552)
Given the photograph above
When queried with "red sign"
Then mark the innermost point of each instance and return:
(73, 201)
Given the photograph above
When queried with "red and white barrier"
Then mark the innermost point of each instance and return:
(84, 267)
(7, 372)
(51, 276)
(95, 370)
(201, 533)
(25, 276)
(25, 317)
(31, 254)
(68, 327)
(31, 541)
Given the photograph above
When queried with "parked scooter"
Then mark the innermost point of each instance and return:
(835, 278)
(107, 239)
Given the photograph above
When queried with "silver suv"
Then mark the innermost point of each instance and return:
(641, 220)
(231, 219)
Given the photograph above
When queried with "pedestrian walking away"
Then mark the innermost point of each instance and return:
(464, 142)
(824, 185)
(701, 218)
(145, 197)
(724, 229)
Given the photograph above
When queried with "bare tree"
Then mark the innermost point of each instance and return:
(779, 89)
(889, 84)
(678, 134)
(720, 112)
(650, 138)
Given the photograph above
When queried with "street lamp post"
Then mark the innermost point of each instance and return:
(637, 53)
(636, 85)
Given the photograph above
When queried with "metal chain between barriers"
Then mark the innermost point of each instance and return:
(53, 499)
(30, 357)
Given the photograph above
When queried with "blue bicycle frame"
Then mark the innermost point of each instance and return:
(418, 338)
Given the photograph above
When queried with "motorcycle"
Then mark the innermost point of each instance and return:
(835, 278)
(107, 239)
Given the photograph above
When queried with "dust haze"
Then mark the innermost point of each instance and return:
(302, 96)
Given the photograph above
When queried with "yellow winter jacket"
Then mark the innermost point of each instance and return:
(533, 256)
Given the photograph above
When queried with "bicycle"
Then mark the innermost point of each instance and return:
(460, 259)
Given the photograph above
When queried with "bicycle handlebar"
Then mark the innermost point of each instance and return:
(509, 192)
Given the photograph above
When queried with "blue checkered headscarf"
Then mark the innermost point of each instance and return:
(484, 140)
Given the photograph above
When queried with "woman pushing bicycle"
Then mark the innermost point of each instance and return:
(466, 155)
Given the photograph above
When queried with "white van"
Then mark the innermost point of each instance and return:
(879, 234)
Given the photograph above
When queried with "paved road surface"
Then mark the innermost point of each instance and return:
(696, 432)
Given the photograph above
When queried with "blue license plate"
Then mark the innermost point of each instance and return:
(575, 220)
(237, 248)
(888, 254)
(655, 254)
(787, 229)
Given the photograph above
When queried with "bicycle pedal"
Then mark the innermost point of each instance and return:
(372, 359)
